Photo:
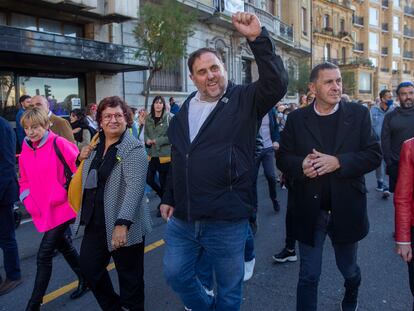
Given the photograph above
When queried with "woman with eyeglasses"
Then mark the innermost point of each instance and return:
(159, 147)
(115, 217)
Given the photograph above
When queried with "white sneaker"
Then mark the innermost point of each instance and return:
(248, 269)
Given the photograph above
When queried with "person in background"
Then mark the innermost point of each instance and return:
(310, 97)
(91, 115)
(24, 102)
(40, 171)
(134, 126)
(303, 101)
(8, 195)
(142, 115)
(174, 108)
(404, 209)
(113, 211)
(397, 127)
(378, 113)
(159, 147)
(81, 130)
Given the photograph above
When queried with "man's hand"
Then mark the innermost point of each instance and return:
(307, 166)
(325, 163)
(276, 145)
(247, 24)
(166, 211)
(119, 237)
(405, 251)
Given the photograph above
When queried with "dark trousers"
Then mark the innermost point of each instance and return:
(52, 239)
(129, 264)
(311, 265)
(8, 243)
(289, 223)
(411, 266)
(155, 166)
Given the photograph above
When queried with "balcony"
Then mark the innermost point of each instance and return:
(408, 54)
(84, 4)
(358, 20)
(359, 47)
(385, 3)
(384, 27)
(408, 10)
(384, 51)
(351, 61)
(384, 69)
(205, 8)
(61, 53)
(273, 24)
(406, 72)
(408, 32)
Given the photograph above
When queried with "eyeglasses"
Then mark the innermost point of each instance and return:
(108, 116)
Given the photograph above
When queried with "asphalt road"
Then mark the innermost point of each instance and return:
(272, 287)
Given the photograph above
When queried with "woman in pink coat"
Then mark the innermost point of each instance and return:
(42, 190)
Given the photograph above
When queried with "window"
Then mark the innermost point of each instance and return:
(72, 30)
(353, 35)
(343, 55)
(373, 17)
(168, 79)
(326, 21)
(3, 20)
(373, 42)
(364, 82)
(246, 71)
(49, 26)
(304, 22)
(394, 65)
(397, 3)
(342, 25)
(7, 96)
(374, 61)
(396, 49)
(23, 21)
(327, 51)
(396, 23)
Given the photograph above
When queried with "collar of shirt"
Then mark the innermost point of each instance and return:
(334, 109)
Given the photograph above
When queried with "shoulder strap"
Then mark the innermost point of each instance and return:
(66, 168)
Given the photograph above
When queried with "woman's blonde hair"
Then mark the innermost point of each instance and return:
(35, 116)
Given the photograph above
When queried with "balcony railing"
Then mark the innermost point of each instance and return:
(384, 69)
(384, 26)
(408, 54)
(408, 32)
(359, 46)
(22, 41)
(384, 51)
(407, 72)
(409, 10)
(358, 20)
(272, 23)
(351, 61)
(385, 3)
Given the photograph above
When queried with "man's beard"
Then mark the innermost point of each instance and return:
(407, 104)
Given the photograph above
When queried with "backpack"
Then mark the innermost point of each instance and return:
(67, 171)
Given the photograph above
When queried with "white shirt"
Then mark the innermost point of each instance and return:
(265, 132)
(198, 111)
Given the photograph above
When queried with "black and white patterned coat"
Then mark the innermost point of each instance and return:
(124, 191)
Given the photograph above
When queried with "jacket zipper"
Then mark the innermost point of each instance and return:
(188, 187)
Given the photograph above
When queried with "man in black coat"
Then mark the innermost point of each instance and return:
(325, 150)
(8, 195)
(209, 195)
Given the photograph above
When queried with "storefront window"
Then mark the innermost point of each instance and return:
(7, 96)
(60, 92)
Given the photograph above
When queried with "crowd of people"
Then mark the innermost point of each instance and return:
(202, 160)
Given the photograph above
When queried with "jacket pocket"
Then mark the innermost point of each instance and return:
(31, 206)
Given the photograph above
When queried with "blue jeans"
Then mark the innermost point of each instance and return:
(267, 159)
(311, 263)
(223, 243)
(8, 243)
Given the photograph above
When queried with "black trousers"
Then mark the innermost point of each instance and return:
(129, 264)
(411, 266)
(52, 239)
(155, 166)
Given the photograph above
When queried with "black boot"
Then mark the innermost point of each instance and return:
(33, 306)
(82, 289)
(350, 300)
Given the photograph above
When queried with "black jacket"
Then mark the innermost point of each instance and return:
(358, 151)
(210, 178)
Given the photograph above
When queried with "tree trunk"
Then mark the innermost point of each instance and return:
(148, 88)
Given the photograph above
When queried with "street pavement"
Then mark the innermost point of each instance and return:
(272, 287)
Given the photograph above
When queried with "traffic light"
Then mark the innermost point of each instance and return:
(48, 91)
